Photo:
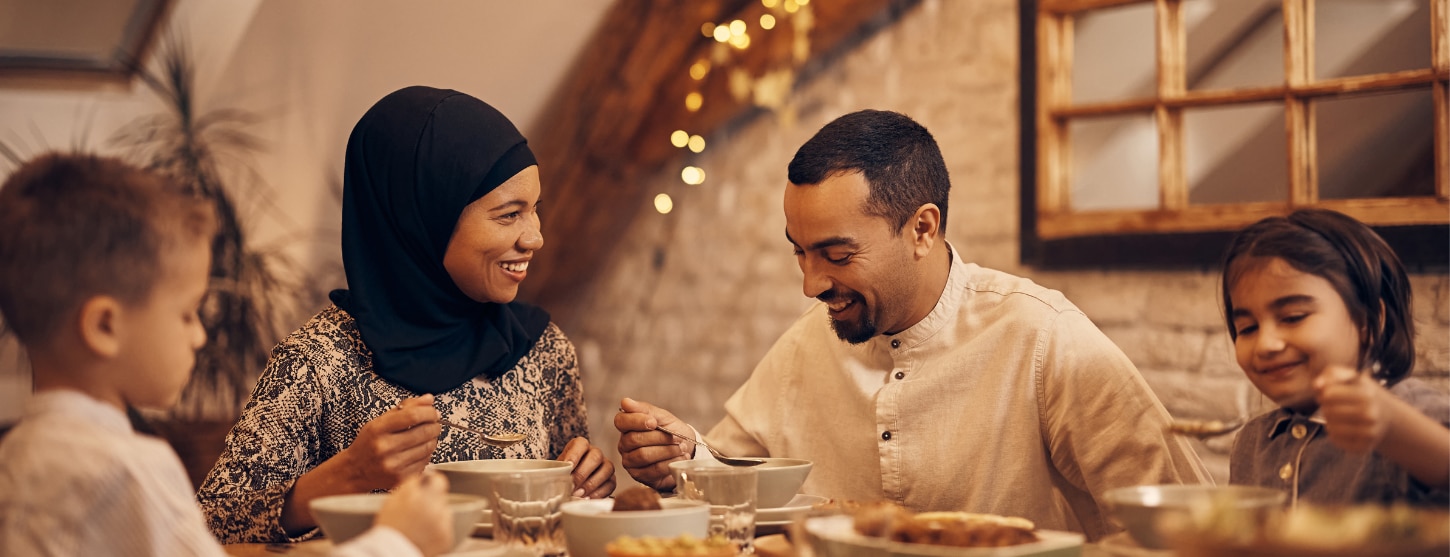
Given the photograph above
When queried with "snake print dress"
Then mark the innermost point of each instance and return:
(319, 389)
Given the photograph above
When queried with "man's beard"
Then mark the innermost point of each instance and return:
(855, 332)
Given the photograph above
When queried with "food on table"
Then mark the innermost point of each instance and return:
(887, 520)
(684, 545)
(637, 499)
(1320, 528)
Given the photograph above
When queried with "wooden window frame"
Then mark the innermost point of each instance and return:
(1177, 234)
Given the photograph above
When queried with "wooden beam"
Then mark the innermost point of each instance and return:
(608, 126)
(1074, 6)
(1388, 211)
(1172, 79)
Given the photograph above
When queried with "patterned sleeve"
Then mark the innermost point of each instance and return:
(568, 416)
(273, 443)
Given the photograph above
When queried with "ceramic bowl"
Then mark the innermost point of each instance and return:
(343, 517)
(590, 524)
(1154, 514)
(777, 481)
(475, 477)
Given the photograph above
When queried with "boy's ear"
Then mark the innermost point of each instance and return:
(100, 322)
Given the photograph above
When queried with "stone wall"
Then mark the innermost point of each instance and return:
(694, 298)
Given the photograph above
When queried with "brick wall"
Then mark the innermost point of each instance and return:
(694, 298)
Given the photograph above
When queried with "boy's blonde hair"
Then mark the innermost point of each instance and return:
(75, 226)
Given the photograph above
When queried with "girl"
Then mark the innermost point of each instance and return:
(1318, 307)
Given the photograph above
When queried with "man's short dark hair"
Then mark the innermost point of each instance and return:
(74, 226)
(899, 158)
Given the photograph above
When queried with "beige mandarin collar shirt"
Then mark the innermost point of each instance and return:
(1005, 399)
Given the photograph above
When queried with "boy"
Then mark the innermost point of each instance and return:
(102, 270)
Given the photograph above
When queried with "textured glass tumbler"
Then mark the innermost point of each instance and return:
(730, 491)
(526, 512)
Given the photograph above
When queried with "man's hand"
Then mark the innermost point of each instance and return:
(593, 474)
(394, 446)
(1353, 407)
(646, 452)
(418, 509)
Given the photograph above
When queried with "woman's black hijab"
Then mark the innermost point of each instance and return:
(414, 161)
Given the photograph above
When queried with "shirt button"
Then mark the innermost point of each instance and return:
(886, 436)
(895, 343)
(1299, 431)
(900, 375)
(1286, 472)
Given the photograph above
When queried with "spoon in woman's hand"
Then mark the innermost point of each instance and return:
(496, 439)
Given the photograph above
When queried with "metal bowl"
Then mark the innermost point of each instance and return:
(1153, 514)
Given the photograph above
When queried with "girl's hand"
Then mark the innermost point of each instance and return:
(1354, 408)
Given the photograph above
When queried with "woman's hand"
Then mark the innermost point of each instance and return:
(1354, 408)
(394, 446)
(593, 474)
(418, 509)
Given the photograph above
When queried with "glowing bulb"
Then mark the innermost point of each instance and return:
(740, 42)
(693, 101)
(700, 69)
(769, 3)
(664, 204)
(680, 138)
(737, 28)
(707, 29)
(802, 2)
(790, 7)
(693, 175)
(721, 33)
(767, 22)
(697, 143)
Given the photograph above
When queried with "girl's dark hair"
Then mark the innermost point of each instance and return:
(1356, 261)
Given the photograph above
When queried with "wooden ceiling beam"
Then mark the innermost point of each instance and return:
(608, 126)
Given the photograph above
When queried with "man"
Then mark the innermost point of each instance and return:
(956, 387)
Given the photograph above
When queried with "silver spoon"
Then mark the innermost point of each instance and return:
(732, 461)
(496, 439)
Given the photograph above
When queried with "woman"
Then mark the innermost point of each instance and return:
(440, 219)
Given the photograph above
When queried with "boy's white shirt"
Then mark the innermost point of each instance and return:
(76, 479)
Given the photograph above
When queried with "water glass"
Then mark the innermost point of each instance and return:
(526, 512)
(730, 491)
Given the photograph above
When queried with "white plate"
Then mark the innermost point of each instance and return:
(798, 504)
(835, 536)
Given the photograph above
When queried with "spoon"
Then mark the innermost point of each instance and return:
(731, 461)
(496, 439)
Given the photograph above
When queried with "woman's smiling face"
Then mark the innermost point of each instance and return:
(1290, 325)
(496, 236)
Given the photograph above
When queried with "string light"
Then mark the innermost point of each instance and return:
(680, 138)
(693, 101)
(696, 143)
(737, 28)
(664, 204)
(802, 2)
(693, 175)
(769, 3)
(700, 69)
(767, 22)
(721, 33)
(707, 29)
(791, 6)
(740, 42)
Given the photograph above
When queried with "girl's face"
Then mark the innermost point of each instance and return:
(496, 236)
(1290, 325)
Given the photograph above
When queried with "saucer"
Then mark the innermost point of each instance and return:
(782, 515)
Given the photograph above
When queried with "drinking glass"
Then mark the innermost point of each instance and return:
(730, 492)
(526, 512)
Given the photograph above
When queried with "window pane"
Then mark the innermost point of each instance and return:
(1114, 162)
(1234, 44)
(1236, 154)
(1376, 146)
(1113, 54)
(1358, 37)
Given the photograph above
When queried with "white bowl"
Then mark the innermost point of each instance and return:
(777, 481)
(343, 517)
(1153, 514)
(590, 524)
(475, 477)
